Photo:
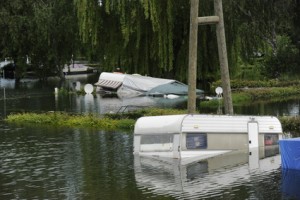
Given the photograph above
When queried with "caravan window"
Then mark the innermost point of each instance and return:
(271, 139)
(157, 142)
(196, 141)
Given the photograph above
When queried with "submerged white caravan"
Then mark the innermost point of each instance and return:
(126, 85)
(194, 137)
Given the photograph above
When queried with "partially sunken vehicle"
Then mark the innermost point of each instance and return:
(130, 85)
(193, 137)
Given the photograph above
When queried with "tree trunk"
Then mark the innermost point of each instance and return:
(192, 73)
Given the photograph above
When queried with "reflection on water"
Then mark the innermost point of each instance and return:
(217, 177)
(40, 97)
(32, 95)
(98, 104)
(284, 108)
(290, 183)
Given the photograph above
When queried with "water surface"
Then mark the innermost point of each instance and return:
(59, 163)
(64, 163)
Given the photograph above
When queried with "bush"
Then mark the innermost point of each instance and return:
(291, 124)
(240, 84)
(124, 121)
(284, 61)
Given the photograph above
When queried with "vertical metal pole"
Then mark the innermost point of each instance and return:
(192, 72)
(4, 101)
(223, 57)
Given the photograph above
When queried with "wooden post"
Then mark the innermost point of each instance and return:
(223, 57)
(192, 72)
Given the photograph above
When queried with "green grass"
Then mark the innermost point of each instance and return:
(67, 120)
(123, 122)
(107, 122)
(242, 97)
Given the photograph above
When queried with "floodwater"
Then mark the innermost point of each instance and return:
(31, 95)
(71, 163)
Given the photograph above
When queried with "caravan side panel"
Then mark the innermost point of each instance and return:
(230, 132)
(215, 124)
(229, 124)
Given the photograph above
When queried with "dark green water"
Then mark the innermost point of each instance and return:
(51, 163)
(59, 163)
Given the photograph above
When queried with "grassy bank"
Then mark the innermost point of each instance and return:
(246, 91)
(238, 84)
(106, 122)
(246, 96)
(59, 119)
(115, 121)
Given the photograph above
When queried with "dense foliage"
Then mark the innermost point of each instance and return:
(45, 31)
(291, 125)
(151, 36)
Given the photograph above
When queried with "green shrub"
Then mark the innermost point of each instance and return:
(144, 112)
(239, 84)
(124, 121)
(291, 124)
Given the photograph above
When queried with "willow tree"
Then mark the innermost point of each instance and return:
(151, 36)
(263, 27)
(15, 23)
(43, 30)
(54, 36)
(134, 34)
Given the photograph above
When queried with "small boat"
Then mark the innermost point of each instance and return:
(78, 68)
(195, 137)
(130, 85)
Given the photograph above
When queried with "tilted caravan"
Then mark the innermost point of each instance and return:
(194, 137)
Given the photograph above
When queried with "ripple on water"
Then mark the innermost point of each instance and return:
(204, 181)
(34, 162)
(83, 164)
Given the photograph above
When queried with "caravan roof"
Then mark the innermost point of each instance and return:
(205, 123)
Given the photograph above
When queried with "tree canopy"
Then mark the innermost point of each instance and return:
(151, 36)
(157, 32)
(46, 31)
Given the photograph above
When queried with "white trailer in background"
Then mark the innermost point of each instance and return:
(194, 137)
(132, 85)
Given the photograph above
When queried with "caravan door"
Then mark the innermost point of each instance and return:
(253, 134)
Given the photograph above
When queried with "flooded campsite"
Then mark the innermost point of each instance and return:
(83, 163)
